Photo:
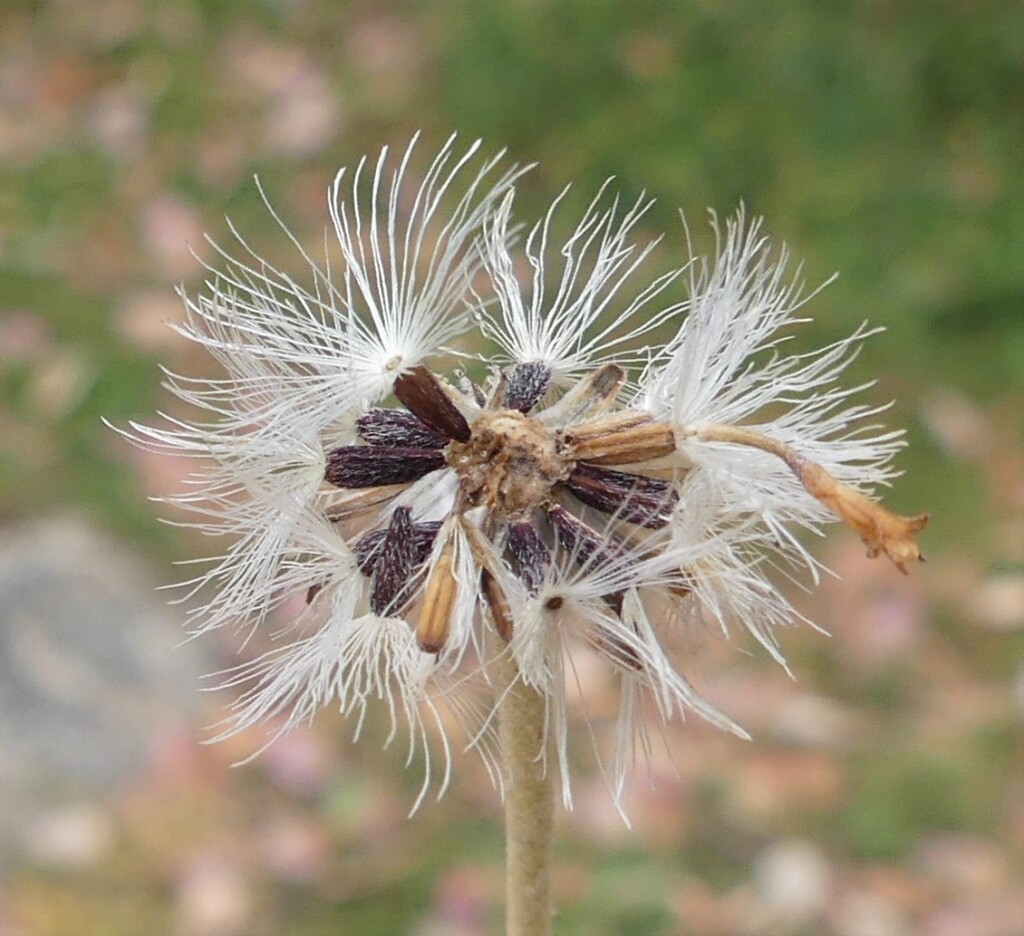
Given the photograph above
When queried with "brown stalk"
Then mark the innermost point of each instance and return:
(497, 604)
(881, 530)
(494, 595)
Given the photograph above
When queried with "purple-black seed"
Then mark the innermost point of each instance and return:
(367, 547)
(525, 385)
(588, 547)
(397, 428)
(363, 466)
(529, 554)
(584, 541)
(396, 561)
(644, 501)
(574, 534)
(422, 394)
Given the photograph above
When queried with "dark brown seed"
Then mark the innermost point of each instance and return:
(396, 561)
(363, 466)
(588, 547)
(525, 385)
(644, 501)
(501, 614)
(397, 428)
(529, 554)
(368, 545)
(584, 541)
(423, 395)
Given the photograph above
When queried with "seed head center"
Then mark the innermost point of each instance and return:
(509, 464)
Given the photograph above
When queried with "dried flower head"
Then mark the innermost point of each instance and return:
(577, 491)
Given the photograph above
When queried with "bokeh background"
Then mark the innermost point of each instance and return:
(883, 794)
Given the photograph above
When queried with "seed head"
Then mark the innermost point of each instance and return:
(581, 490)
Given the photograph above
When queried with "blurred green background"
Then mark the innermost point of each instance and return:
(883, 794)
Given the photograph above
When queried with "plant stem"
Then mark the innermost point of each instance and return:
(529, 805)
(880, 529)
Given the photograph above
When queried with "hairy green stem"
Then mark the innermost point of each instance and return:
(529, 805)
